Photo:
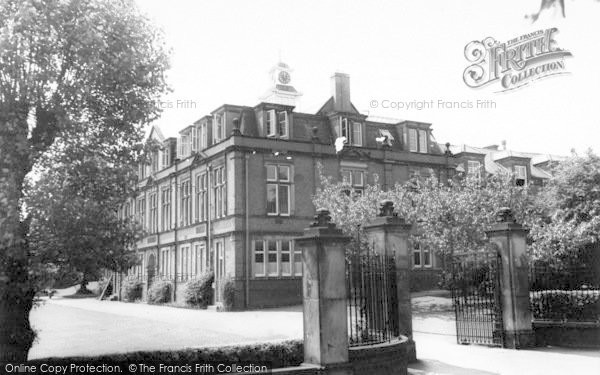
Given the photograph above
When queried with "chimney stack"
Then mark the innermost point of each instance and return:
(340, 90)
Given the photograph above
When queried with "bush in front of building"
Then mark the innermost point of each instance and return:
(132, 290)
(199, 292)
(228, 294)
(160, 292)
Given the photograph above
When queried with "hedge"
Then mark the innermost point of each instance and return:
(572, 305)
(160, 292)
(132, 290)
(274, 355)
(228, 290)
(199, 292)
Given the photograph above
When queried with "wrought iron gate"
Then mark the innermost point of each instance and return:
(476, 298)
(372, 299)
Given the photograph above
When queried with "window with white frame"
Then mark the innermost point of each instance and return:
(417, 140)
(422, 141)
(165, 215)
(270, 123)
(352, 130)
(184, 146)
(521, 175)
(355, 178)
(474, 168)
(200, 254)
(282, 124)
(219, 183)
(201, 197)
(220, 253)
(278, 189)
(140, 211)
(219, 128)
(165, 262)
(186, 203)
(276, 257)
(203, 135)
(195, 139)
(154, 161)
(142, 169)
(421, 256)
(166, 156)
(153, 225)
(186, 264)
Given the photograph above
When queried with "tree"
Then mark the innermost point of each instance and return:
(64, 65)
(568, 210)
(75, 206)
(449, 218)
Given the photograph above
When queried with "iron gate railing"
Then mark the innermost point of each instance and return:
(476, 298)
(372, 299)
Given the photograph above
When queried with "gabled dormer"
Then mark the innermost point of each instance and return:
(344, 118)
(184, 142)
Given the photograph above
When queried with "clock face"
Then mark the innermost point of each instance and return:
(284, 77)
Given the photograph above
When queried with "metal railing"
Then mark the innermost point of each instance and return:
(564, 293)
(372, 301)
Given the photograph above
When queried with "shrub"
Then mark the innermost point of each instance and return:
(228, 293)
(273, 355)
(132, 290)
(160, 292)
(199, 292)
(573, 305)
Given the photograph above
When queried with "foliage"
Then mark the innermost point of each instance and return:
(448, 218)
(66, 66)
(132, 289)
(566, 305)
(568, 210)
(228, 293)
(273, 355)
(199, 292)
(73, 208)
(160, 292)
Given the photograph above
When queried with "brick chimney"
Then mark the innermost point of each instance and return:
(340, 90)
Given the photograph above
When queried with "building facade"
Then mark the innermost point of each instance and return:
(234, 189)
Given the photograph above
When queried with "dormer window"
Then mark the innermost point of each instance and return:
(351, 130)
(520, 175)
(474, 168)
(417, 140)
(155, 161)
(184, 146)
(166, 156)
(195, 139)
(219, 128)
(277, 123)
(203, 136)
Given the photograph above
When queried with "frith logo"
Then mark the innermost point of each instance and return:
(515, 63)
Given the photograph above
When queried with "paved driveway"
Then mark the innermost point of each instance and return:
(70, 327)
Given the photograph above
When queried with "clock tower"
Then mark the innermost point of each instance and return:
(281, 91)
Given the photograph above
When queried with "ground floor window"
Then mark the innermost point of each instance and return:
(200, 254)
(165, 262)
(276, 257)
(421, 256)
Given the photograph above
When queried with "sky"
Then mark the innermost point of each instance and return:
(394, 51)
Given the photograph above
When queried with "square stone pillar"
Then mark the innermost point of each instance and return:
(388, 234)
(324, 292)
(510, 239)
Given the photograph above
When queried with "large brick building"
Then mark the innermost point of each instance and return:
(233, 190)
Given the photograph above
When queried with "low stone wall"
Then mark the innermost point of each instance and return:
(382, 359)
(567, 334)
